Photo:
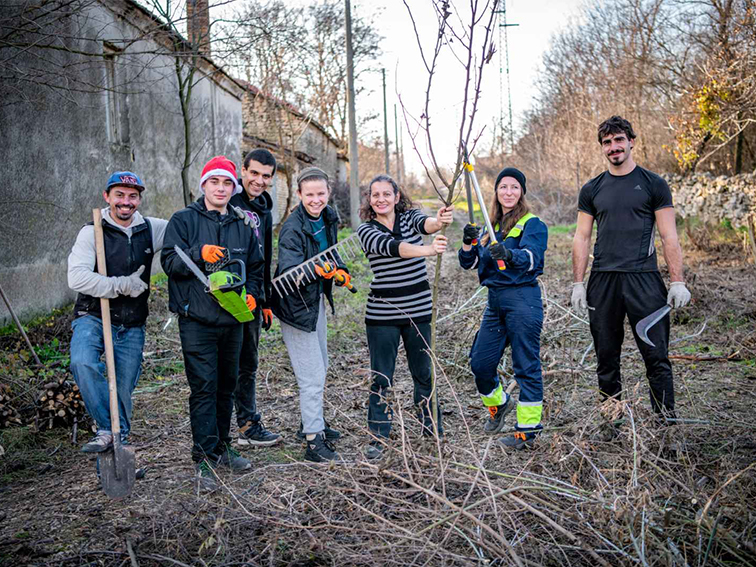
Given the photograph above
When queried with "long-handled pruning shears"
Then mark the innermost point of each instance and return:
(470, 173)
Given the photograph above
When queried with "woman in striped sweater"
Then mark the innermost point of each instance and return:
(399, 303)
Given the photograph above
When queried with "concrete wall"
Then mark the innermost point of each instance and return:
(58, 152)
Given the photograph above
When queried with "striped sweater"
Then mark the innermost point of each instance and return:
(400, 291)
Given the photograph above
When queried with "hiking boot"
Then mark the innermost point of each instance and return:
(257, 436)
(495, 423)
(99, 443)
(232, 459)
(330, 434)
(206, 477)
(519, 440)
(374, 451)
(321, 450)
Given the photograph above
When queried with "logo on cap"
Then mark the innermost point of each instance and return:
(130, 179)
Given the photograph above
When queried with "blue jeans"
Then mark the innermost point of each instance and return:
(90, 373)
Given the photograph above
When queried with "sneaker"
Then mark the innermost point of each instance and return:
(320, 450)
(99, 443)
(330, 434)
(232, 459)
(257, 436)
(519, 440)
(206, 477)
(374, 451)
(495, 423)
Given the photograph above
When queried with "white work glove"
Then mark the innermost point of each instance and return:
(242, 215)
(678, 295)
(579, 301)
(131, 285)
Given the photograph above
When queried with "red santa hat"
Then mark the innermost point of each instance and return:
(219, 166)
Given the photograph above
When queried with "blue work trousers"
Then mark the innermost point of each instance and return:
(90, 373)
(513, 316)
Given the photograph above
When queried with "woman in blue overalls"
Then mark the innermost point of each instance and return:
(514, 314)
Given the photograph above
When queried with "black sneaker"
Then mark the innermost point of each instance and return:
(206, 477)
(519, 440)
(256, 435)
(374, 451)
(495, 423)
(320, 450)
(330, 434)
(232, 459)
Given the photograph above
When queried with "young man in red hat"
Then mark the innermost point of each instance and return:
(131, 241)
(211, 233)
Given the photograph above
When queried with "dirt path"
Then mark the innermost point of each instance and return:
(650, 496)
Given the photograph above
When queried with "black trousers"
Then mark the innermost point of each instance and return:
(611, 296)
(211, 362)
(245, 396)
(383, 343)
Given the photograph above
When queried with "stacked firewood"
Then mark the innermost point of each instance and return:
(8, 414)
(59, 403)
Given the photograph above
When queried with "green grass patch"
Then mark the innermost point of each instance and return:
(563, 229)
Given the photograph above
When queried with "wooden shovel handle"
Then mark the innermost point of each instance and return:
(107, 332)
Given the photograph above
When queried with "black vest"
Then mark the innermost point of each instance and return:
(123, 256)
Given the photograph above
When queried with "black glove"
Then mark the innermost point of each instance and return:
(470, 233)
(499, 252)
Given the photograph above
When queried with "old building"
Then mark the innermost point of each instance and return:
(295, 139)
(104, 98)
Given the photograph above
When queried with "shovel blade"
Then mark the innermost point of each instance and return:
(649, 321)
(118, 471)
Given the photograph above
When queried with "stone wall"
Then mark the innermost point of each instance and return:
(58, 151)
(715, 199)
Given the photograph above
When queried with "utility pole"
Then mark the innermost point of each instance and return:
(396, 137)
(385, 125)
(354, 176)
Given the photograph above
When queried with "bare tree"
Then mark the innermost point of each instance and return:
(464, 37)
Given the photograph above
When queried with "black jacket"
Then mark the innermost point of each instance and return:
(261, 212)
(297, 243)
(123, 256)
(192, 228)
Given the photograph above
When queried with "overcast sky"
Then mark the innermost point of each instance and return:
(538, 21)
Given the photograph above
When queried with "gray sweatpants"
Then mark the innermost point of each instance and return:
(308, 353)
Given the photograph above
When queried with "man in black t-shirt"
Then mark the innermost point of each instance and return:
(627, 203)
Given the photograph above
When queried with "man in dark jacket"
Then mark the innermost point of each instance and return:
(211, 234)
(257, 173)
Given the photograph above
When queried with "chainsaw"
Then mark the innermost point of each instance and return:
(305, 273)
(225, 286)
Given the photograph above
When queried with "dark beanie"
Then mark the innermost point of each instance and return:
(512, 172)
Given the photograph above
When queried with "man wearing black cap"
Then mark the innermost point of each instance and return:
(628, 204)
(131, 241)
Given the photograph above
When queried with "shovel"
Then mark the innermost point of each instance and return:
(117, 465)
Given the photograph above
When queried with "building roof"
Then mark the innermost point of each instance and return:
(256, 91)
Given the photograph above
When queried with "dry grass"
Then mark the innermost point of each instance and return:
(680, 495)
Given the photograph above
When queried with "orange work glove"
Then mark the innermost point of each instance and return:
(251, 303)
(267, 319)
(212, 253)
(342, 278)
(326, 271)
